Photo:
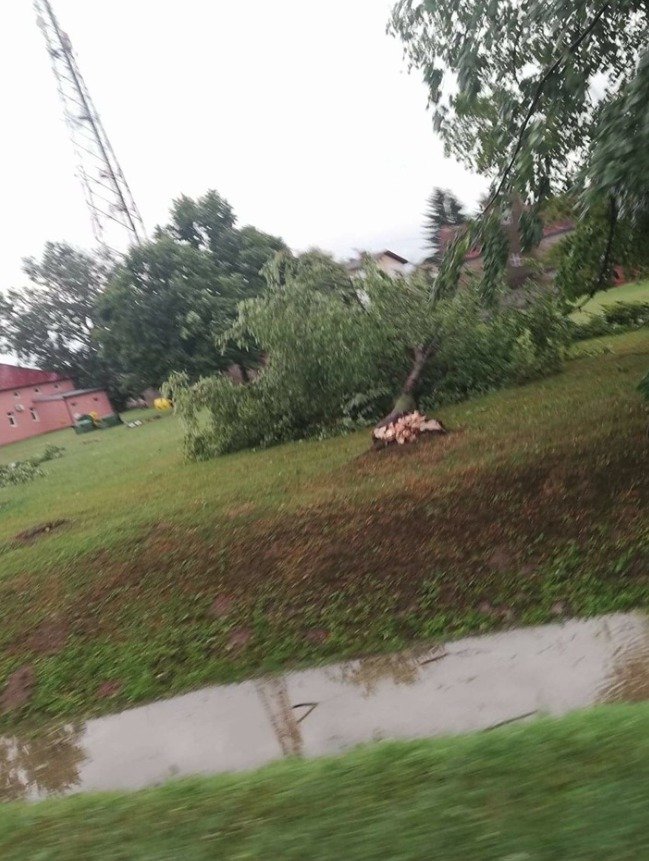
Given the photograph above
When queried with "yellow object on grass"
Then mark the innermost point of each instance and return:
(162, 404)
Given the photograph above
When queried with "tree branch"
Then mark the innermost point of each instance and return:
(606, 260)
(550, 71)
(600, 283)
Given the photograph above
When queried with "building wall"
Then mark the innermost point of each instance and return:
(391, 266)
(18, 424)
(40, 417)
(93, 402)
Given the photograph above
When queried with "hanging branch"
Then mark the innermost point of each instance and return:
(606, 260)
(600, 282)
(550, 71)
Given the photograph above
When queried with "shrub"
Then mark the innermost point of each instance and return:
(51, 452)
(19, 472)
(23, 471)
(595, 327)
(631, 314)
(478, 355)
(618, 317)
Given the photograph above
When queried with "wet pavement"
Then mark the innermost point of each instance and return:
(472, 684)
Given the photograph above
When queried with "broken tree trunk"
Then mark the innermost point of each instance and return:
(404, 423)
(406, 401)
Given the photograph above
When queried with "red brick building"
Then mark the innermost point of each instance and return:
(34, 402)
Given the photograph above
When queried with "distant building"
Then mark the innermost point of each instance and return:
(34, 402)
(517, 268)
(387, 261)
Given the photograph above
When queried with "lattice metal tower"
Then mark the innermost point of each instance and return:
(109, 198)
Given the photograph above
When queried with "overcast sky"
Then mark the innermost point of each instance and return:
(302, 114)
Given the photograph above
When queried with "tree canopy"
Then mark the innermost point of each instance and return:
(128, 323)
(543, 96)
(172, 298)
(443, 210)
(51, 321)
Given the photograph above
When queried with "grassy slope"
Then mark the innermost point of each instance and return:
(551, 791)
(638, 292)
(533, 504)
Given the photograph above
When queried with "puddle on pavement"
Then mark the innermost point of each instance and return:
(472, 684)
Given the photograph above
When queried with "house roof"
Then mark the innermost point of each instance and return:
(17, 377)
(357, 262)
(391, 254)
(63, 396)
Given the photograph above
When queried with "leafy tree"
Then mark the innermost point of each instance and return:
(207, 224)
(255, 250)
(172, 297)
(51, 321)
(543, 97)
(315, 269)
(160, 311)
(444, 210)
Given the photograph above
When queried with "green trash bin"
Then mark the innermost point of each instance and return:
(111, 421)
(84, 425)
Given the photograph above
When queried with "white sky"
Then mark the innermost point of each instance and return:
(301, 114)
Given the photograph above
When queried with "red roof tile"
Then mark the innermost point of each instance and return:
(15, 377)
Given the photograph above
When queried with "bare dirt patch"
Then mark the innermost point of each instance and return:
(109, 689)
(474, 532)
(18, 690)
(27, 536)
(239, 638)
(48, 638)
(221, 607)
(317, 636)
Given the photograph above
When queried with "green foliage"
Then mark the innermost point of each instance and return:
(152, 318)
(331, 361)
(479, 354)
(612, 319)
(443, 210)
(495, 251)
(24, 471)
(323, 350)
(547, 99)
(595, 327)
(20, 472)
(483, 63)
(531, 229)
(558, 207)
(172, 297)
(630, 314)
(51, 321)
(51, 452)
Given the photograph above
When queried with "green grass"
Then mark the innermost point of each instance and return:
(321, 550)
(574, 788)
(638, 292)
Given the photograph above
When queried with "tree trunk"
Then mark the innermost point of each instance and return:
(406, 401)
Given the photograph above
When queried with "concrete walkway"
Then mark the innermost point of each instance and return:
(472, 684)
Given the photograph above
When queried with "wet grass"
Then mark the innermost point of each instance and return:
(168, 575)
(573, 789)
(637, 292)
